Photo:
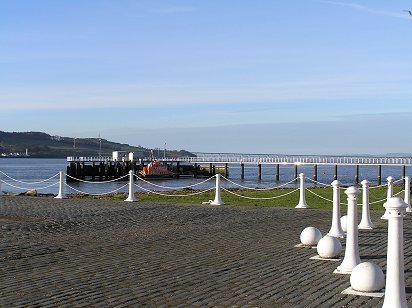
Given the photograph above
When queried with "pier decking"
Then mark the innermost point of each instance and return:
(104, 168)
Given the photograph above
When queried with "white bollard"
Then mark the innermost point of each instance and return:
(395, 277)
(407, 198)
(389, 193)
(351, 258)
(131, 197)
(302, 200)
(218, 199)
(366, 223)
(336, 228)
(61, 194)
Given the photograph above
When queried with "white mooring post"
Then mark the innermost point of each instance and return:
(131, 197)
(389, 193)
(61, 194)
(407, 198)
(302, 201)
(336, 228)
(395, 277)
(351, 258)
(366, 223)
(218, 199)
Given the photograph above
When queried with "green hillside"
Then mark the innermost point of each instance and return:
(42, 145)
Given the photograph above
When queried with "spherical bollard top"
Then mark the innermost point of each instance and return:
(336, 183)
(351, 192)
(395, 207)
(367, 277)
(329, 247)
(365, 183)
(310, 236)
(390, 179)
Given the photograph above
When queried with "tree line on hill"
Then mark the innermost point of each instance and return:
(42, 145)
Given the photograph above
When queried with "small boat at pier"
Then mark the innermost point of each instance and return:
(157, 170)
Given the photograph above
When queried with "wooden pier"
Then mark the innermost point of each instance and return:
(207, 164)
(107, 169)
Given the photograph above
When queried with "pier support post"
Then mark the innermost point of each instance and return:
(210, 169)
(357, 174)
(93, 171)
(389, 192)
(227, 170)
(403, 173)
(259, 171)
(335, 177)
(395, 295)
(218, 199)
(277, 173)
(242, 170)
(366, 223)
(302, 201)
(195, 171)
(351, 258)
(379, 174)
(61, 194)
(296, 172)
(131, 197)
(407, 197)
(315, 172)
(336, 227)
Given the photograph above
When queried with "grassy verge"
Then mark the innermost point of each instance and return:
(268, 197)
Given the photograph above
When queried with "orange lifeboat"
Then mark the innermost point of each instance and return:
(156, 169)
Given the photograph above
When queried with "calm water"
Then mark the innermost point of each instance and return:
(34, 170)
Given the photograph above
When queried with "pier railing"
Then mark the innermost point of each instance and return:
(294, 159)
(270, 159)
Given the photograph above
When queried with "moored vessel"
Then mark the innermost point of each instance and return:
(157, 169)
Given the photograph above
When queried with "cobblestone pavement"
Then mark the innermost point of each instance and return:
(94, 253)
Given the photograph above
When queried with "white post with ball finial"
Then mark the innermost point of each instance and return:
(366, 223)
(302, 200)
(351, 258)
(336, 228)
(395, 277)
(131, 197)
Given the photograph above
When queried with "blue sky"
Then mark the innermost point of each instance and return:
(261, 76)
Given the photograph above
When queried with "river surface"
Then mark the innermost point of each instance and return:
(22, 174)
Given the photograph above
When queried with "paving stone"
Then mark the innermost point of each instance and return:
(97, 253)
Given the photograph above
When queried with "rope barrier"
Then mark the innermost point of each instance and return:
(26, 188)
(379, 201)
(100, 194)
(169, 195)
(373, 187)
(259, 189)
(319, 196)
(175, 188)
(398, 193)
(317, 182)
(342, 203)
(251, 198)
(28, 183)
(99, 182)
